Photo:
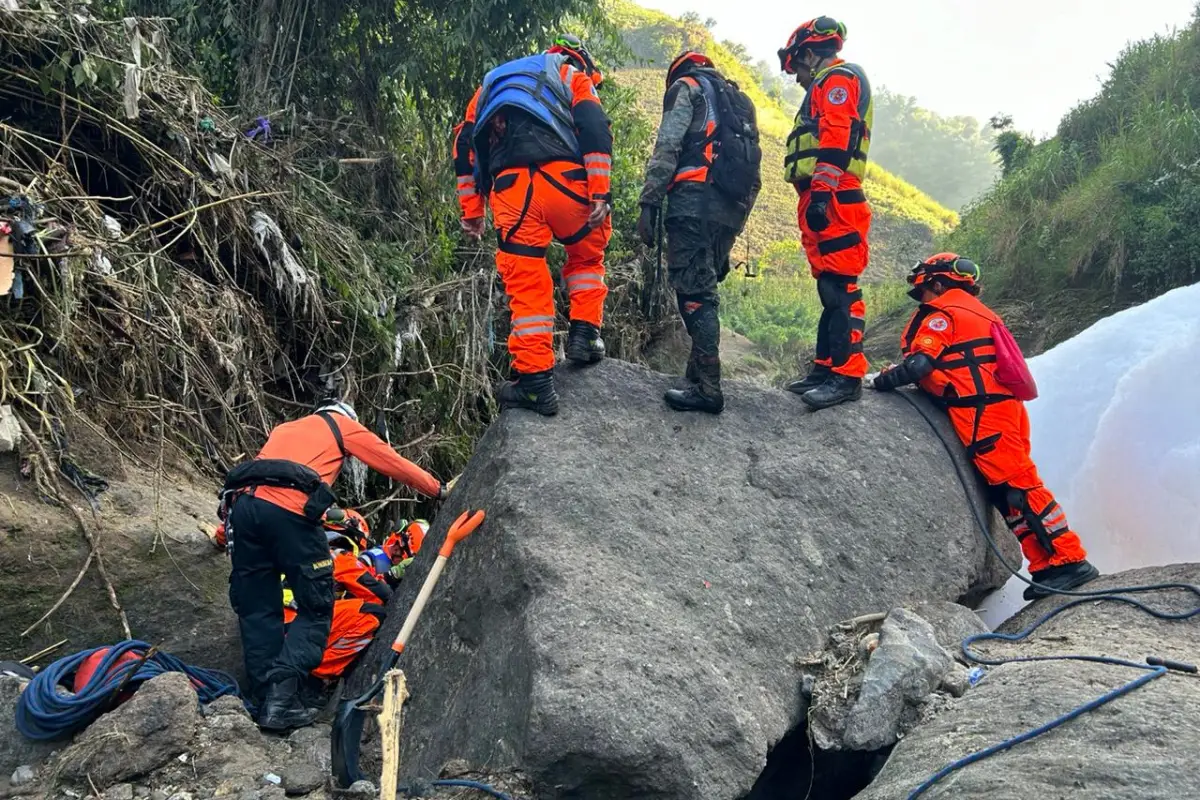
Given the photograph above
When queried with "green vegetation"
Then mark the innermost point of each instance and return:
(778, 310)
(1104, 214)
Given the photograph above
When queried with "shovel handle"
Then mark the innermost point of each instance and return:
(460, 530)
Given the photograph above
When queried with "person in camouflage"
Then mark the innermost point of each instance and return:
(701, 223)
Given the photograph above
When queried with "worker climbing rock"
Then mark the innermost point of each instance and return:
(826, 161)
(705, 165)
(959, 352)
(536, 145)
(273, 507)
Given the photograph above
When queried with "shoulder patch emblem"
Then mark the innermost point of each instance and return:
(838, 95)
(938, 324)
(927, 340)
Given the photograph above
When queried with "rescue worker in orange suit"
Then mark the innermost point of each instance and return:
(537, 146)
(950, 352)
(360, 597)
(702, 222)
(272, 527)
(826, 161)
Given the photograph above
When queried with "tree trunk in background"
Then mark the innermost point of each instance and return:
(258, 80)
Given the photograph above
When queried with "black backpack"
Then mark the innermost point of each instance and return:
(736, 170)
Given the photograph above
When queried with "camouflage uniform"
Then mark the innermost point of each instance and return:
(701, 226)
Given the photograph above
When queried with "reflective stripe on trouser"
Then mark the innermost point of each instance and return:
(353, 629)
(842, 247)
(531, 206)
(840, 329)
(1015, 488)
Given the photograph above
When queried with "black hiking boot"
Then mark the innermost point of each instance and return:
(584, 345)
(690, 378)
(283, 709)
(1064, 578)
(837, 389)
(816, 376)
(703, 395)
(534, 391)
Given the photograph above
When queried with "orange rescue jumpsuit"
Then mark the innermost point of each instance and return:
(533, 203)
(954, 330)
(835, 112)
(358, 611)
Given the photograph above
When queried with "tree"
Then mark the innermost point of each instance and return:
(1011, 145)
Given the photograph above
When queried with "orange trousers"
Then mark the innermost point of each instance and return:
(837, 256)
(1000, 449)
(530, 206)
(354, 625)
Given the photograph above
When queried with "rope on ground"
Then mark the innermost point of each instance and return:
(48, 710)
(476, 785)
(1154, 667)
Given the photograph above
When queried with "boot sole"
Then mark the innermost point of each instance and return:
(1089, 576)
(584, 359)
(677, 407)
(815, 406)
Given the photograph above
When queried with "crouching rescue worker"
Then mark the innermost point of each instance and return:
(537, 145)
(826, 161)
(272, 508)
(706, 164)
(960, 353)
(360, 597)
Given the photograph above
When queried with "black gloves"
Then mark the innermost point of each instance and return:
(914, 368)
(647, 224)
(817, 214)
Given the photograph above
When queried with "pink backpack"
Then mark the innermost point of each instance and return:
(1011, 369)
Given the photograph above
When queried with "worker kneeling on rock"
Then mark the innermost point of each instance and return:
(273, 508)
(958, 351)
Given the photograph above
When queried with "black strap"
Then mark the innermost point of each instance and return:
(524, 212)
(837, 245)
(579, 235)
(983, 446)
(851, 196)
(551, 180)
(977, 401)
(337, 432)
(512, 248)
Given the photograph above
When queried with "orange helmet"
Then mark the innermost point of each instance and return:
(685, 61)
(574, 48)
(947, 268)
(814, 32)
(406, 543)
(352, 527)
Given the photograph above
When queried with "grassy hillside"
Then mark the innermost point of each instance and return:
(906, 220)
(1103, 215)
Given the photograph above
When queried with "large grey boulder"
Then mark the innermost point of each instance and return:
(15, 749)
(627, 622)
(142, 734)
(1141, 746)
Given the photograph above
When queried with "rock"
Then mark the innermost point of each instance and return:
(122, 791)
(22, 775)
(10, 430)
(159, 794)
(144, 733)
(627, 621)
(951, 624)
(906, 667)
(15, 750)
(956, 682)
(1140, 746)
(302, 778)
(311, 745)
(141, 791)
(363, 788)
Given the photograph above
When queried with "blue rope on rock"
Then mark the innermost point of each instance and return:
(48, 710)
(476, 785)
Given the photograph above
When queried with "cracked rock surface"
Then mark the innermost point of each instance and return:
(627, 622)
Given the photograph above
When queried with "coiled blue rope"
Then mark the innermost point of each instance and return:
(47, 710)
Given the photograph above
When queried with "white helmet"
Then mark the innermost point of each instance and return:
(340, 407)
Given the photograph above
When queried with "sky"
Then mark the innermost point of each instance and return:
(1033, 59)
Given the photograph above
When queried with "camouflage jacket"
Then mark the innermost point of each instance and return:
(688, 198)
